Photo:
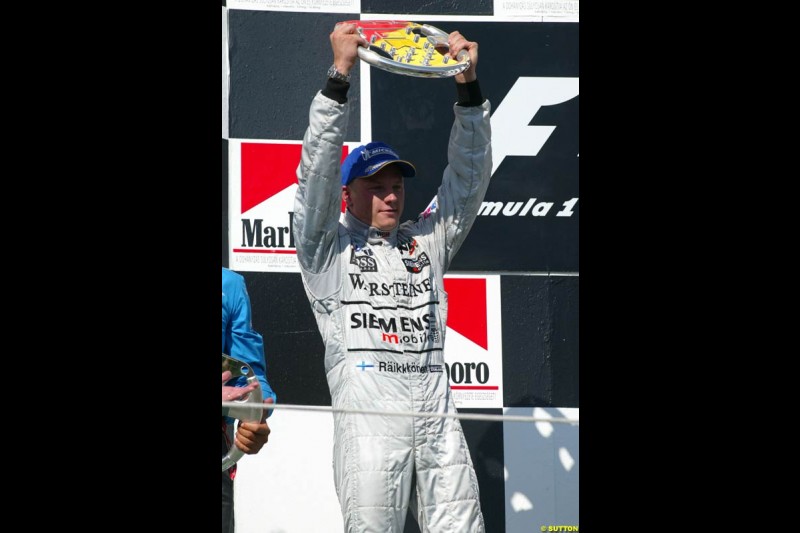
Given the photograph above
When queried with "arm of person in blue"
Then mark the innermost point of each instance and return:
(241, 342)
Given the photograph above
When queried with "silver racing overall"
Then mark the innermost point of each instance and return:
(379, 301)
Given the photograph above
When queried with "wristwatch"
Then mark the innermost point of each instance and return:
(336, 75)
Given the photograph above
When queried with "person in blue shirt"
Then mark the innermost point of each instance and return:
(243, 343)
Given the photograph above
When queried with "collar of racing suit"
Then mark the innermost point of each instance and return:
(362, 233)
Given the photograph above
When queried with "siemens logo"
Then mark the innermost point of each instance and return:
(422, 323)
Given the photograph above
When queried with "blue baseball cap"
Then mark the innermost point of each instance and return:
(369, 158)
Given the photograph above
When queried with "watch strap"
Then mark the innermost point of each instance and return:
(336, 75)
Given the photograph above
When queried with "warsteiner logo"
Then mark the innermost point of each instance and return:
(394, 289)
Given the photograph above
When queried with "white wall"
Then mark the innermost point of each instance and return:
(288, 486)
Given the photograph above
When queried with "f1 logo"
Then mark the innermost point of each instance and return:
(511, 133)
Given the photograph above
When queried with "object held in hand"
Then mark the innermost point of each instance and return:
(408, 48)
(251, 409)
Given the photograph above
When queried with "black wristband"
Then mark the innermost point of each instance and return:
(469, 94)
(336, 90)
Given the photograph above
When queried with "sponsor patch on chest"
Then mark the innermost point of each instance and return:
(364, 260)
(415, 265)
(408, 250)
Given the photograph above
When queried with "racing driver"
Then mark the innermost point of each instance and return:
(376, 289)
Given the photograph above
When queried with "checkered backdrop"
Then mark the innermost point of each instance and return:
(516, 277)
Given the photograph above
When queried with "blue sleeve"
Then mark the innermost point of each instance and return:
(242, 342)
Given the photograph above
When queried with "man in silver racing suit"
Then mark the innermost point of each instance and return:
(376, 290)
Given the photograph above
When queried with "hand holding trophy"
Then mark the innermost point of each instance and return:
(408, 48)
(250, 397)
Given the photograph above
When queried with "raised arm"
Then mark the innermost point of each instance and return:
(318, 200)
(453, 210)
